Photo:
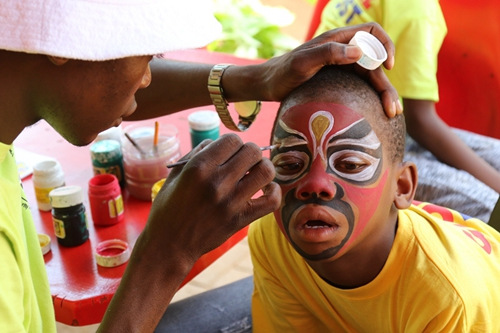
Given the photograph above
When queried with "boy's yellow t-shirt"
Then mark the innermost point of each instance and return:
(439, 276)
(25, 299)
(417, 29)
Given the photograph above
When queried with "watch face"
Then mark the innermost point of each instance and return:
(248, 109)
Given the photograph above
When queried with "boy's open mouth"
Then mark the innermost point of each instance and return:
(316, 224)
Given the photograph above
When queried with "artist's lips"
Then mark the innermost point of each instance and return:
(317, 223)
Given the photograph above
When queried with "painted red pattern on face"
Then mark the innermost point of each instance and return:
(364, 199)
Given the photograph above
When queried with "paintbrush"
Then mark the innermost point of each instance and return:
(185, 161)
(132, 141)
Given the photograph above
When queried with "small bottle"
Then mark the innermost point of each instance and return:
(68, 215)
(105, 198)
(47, 175)
(203, 125)
(107, 158)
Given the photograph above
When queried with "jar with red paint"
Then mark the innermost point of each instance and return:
(105, 198)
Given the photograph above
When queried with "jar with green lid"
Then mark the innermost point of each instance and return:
(203, 125)
(107, 158)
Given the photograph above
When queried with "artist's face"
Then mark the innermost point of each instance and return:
(93, 96)
(332, 173)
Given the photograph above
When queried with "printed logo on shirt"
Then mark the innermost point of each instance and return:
(349, 9)
(452, 216)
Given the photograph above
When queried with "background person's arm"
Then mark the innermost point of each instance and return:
(426, 127)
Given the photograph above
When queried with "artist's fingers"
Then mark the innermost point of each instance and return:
(174, 171)
(388, 94)
(262, 205)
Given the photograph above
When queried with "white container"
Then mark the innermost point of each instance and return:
(374, 53)
(47, 175)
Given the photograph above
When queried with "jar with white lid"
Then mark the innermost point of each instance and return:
(47, 175)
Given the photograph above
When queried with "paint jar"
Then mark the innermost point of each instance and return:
(47, 175)
(203, 125)
(105, 198)
(68, 215)
(156, 188)
(107, 158)
(145, 163)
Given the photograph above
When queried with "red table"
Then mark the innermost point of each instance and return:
(81, 289)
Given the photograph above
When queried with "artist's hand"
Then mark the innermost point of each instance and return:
(279, 75)
(210, 198)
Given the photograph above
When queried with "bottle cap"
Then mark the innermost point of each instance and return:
(106, 151)
(112, 253)
(203, 120)
(156, 188)
(66, 196)
(374, 53)
(46, 167)
(44, 243)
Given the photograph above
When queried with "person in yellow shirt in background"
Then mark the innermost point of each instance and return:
(347, 251)
(457, 168)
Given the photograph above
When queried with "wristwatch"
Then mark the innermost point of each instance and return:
(247, 110)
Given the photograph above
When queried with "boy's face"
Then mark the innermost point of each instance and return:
(333, 173)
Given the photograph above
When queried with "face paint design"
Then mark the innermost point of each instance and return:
(329, 166)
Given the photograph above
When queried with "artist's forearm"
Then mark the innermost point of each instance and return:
(179, 86)
(146, 289)
(432, 133)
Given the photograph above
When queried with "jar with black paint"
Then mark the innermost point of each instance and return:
(68, 215)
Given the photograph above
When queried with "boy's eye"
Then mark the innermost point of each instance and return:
(354, 165)
(290, 165)
(350, 164)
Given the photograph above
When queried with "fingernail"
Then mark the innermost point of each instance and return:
(393, 109)
(354, 52)
(399, 107)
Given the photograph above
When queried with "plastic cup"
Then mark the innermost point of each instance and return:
(146, 164)
(374, 53)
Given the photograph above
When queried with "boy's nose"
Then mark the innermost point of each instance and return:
(318, 183)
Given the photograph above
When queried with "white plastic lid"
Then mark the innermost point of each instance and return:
(374, 53)
(66, 196)
(48, 167)
(203, 120)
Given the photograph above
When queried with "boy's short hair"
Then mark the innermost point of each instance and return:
(342, 85)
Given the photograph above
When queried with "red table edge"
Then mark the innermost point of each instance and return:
(93, 310)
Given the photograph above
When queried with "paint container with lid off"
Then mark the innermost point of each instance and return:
(105, 198)
(68, 215)
(374, 53)
(146, 153)
(107, 158)
(47, 175)
(203, 125)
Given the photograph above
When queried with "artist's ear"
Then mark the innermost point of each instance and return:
(58, 61)
(406, 185)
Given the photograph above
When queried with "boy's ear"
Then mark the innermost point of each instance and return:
(406, 185)
(58, 61)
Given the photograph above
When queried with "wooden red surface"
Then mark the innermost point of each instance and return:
(81, 289)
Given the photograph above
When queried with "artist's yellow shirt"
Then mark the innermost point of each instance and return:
(439, 277)
(417, 29)
(25, 300)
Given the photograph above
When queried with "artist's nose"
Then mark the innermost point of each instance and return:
(146, 78)
(318, 183)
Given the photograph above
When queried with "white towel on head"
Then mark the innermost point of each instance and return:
(105, 29)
